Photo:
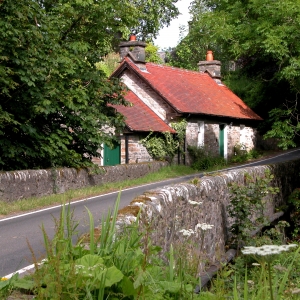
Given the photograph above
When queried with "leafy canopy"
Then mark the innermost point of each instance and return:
(54, 103)
(262, 38)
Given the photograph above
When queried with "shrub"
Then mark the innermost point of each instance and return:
(294, 213)
(247, 200)
(241, 154)
(202, 159)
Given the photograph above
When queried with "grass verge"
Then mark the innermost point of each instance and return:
(7, 208)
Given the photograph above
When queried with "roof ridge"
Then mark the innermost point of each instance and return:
(177, 68)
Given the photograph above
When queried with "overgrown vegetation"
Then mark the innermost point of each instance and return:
(294, 213)
(111, 61)
(247, 206)
(122, 263)
(165, 145)
(203, 159)
(108, 63)
(152, 55)
(241, 154)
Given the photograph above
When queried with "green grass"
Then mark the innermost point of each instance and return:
(29, 204)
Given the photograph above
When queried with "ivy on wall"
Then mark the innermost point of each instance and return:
(164, 146)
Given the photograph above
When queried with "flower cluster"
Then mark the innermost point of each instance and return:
(267, 250)
(187, 232)
(201, 226)
(194, 202)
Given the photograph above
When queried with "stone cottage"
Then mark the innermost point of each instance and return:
(161, 94)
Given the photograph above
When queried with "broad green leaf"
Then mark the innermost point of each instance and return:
(127, 287)
(113, 275)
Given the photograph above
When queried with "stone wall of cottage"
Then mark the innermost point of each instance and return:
(137, 152)
(170, 209)
(250, 137)
(236, 134)
(211, 137)
(233, 138)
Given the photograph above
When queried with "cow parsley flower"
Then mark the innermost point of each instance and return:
(203, 226)
(194, 202)
(267, 250)
(265, 255)
(187, 232)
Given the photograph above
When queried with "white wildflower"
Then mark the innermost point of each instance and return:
(194, 202)
(187, 232)
(79, 266)
(266, 250)
(203, 226)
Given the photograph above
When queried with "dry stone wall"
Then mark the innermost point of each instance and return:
(204, 201)
(17, 185)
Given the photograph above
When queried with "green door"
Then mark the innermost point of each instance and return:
(112, 156)
(221, 140)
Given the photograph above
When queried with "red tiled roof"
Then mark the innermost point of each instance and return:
(140, 117)
(193, 92)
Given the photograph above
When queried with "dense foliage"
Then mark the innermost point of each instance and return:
(54, 102)
(122, 261)
(165, 145)
(261, 38)
(203, 159)
(152, 54)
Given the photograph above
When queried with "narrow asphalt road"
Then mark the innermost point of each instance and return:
(17, 232)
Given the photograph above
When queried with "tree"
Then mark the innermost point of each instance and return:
(55, 104)
(109, 63)
(152, 54)
(262, 38)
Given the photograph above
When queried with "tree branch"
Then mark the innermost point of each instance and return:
(65, 34)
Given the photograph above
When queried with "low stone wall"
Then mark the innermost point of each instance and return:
(171, 209)
(17, 185)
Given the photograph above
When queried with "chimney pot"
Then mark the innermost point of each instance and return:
(211, 66)
(209, 55)
(132, 38)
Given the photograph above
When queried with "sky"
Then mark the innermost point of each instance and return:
(169, 36)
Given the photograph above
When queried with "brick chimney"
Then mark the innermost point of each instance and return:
(211, 66)
(135, 49)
